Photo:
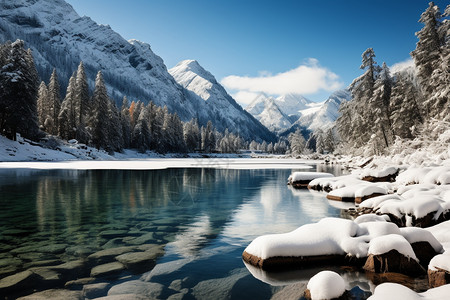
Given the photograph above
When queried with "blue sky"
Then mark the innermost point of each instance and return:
(312, 47)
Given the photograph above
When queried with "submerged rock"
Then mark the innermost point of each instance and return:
(20, 281)
(150, 290)
(56, 294)
(110, 269)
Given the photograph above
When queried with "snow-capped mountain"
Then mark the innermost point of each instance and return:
(267, 111)
(60, 38)
(323, 115)
(216, 101)
(288, 112)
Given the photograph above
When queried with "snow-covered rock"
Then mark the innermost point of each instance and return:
(395, 291)
(301, 179)
(331, 237)
(326, 285)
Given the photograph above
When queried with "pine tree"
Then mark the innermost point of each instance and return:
(126, 123)
(82, 104)
(297, 142)
(404, 109)
(427, 53)
(67, 115)
(141, 134)
(192, 135)
(18, 92)
(114, 129)
(379, 110)
(42, 106)
(100, 100)
(54, 104)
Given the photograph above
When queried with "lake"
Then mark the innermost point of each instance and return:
(177, 232)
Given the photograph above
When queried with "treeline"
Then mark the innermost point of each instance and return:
(385, 107)
(33, 111)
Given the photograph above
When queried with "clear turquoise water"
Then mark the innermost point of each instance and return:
(204, 219)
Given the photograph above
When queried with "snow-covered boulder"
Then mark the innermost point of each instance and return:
(302, 179)
(439, 270)
(338, 241)
(394, 291)
(359, 192)
(325, 285)
(392, 253)
(387, 174)
(415, 207)
(331, 183)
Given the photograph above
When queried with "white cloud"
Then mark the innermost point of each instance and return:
(244, 97)
(306, 79)
(402, 65)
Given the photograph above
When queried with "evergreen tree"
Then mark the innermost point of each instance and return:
(100, 100)
(427, 53)
(42, 106)
(114, 129)
(379, 109)
(125, 123)
(404, 109)
(82, 104)
(18, 92)
(192, 135)
(53, 104)
(297, 142)
(67, 115)
(141, 133)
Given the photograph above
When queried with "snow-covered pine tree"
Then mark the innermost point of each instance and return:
(100, 123)
(54, 104)
(125, 123)
(404, 109)
(18, 92)
(140, 138)
(427, 53)
(42, 104)
(82, 104)
(191, 134)
(115, 129)
(379, 107)
(297, 142)
(67, 115)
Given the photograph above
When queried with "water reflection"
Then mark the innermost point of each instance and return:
(203, 217)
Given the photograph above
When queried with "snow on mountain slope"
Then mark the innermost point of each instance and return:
(60, 38)
(266, 110)
(323, 115)
(292, 104)
(218, 103)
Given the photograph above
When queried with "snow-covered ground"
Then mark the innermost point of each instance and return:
(22, 154)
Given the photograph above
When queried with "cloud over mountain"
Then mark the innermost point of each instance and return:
(306, 79)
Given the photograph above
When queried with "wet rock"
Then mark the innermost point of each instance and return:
(438, 277)
(20, 281)
(139, 261)
(42, 263)
(166, 268)
(53, 248)
(108, 255)
(95, 290)
(113, 233)
(218, 288)
(78, 283)
(292, 291)
(143, 239)
(10, 261)
(79, 251)
(150, 290)
(123, 297)
(71, 269)
(54, 295)
(178, 296)
(106, 270)
(393, 261)
(47, 277)
(114, 243)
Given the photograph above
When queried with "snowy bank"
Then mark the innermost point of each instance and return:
(394, 291)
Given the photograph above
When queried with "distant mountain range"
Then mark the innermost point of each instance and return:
(60, 38)
(288, 112)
